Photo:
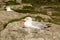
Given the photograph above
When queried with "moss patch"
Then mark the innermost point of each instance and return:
(11, 3)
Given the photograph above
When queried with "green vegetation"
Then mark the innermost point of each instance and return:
(29, 11)
(23, 11)
(56, 14)
(57, 9)
(43, 12)
(11, 2)
(38, 18)
(42, 2)
(28, 7)
(26, 1)
(56, 20)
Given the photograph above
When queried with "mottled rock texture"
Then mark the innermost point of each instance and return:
(16, 31)
(12, 28)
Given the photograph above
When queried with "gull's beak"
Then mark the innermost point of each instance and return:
(24, 19)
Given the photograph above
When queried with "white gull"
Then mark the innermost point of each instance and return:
(8, 8)
(33, 24)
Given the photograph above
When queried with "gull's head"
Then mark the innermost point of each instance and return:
(28, 19)
(8, 7)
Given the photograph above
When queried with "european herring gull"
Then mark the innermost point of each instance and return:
(33, 24)
(8, 8)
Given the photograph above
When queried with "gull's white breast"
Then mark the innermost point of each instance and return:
(27, 24)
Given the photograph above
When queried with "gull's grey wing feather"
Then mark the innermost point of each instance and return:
(38, 24)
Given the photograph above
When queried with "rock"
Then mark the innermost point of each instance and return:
(5, 17)
(19, 1)
(15, 31)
